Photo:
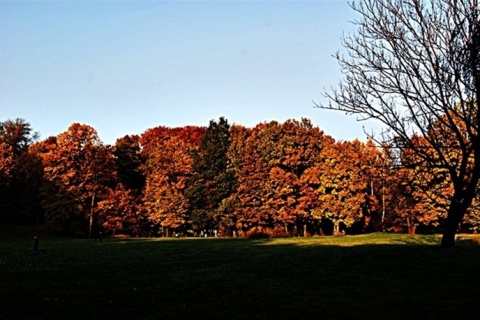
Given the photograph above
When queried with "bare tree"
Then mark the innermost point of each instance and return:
(414, 65)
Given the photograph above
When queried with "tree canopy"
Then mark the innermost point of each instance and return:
(275, 179)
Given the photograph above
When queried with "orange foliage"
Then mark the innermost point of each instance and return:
(6, 160)
(80, 168)
(290, 179)
(168, 167)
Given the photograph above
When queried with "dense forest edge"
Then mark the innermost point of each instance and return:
(272, 180)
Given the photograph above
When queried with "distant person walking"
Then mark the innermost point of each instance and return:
(36, 245)
(99, 236)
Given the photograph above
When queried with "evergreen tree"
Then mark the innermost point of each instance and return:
(130, 162)
(213, 179)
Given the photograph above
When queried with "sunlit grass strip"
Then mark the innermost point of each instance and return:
(357, 240)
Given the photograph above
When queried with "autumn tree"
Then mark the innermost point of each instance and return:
(410, 65)
(414, 200)
(20, 173)
(272, 190)
(472, 218)
(236, 152)
(120, 211)
(6, 162)
(168, 168)
(6, 169)
(298, 147)
(344, 187)
(420, 193)
(27, 181)
(252, 173)
(268, 174)
(79, 170)
(311, 182)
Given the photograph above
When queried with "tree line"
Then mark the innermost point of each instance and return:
(275, 179)
(412, 65)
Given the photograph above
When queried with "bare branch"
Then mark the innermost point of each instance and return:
(414, 66)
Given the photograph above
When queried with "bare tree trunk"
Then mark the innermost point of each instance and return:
(90, 222)
(412, 229)
(427, 82)
(336, 228)
(411, 226)
(448, 238)
(454, 217)
(461, 201)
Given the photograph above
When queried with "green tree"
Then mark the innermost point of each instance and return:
(18, 134)
(130, 163)
(213, 179)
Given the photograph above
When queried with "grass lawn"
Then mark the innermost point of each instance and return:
(376, 276)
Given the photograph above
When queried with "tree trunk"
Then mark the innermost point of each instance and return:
(411, 229)
(90, 222)
(411, 226)
(455, 214)
(304, 229)
(448, 238)
(336, 228)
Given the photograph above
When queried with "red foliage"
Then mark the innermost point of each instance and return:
(257, 233)
(265, 233)
(278, 232)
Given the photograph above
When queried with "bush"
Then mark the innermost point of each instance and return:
(257, 233)
(264, 233)
(278, 232)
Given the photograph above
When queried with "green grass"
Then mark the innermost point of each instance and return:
(376, 276)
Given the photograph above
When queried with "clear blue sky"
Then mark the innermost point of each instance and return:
(126, 66)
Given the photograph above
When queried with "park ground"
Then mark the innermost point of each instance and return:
(374, 276)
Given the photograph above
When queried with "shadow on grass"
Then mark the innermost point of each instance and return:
(372, 277)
